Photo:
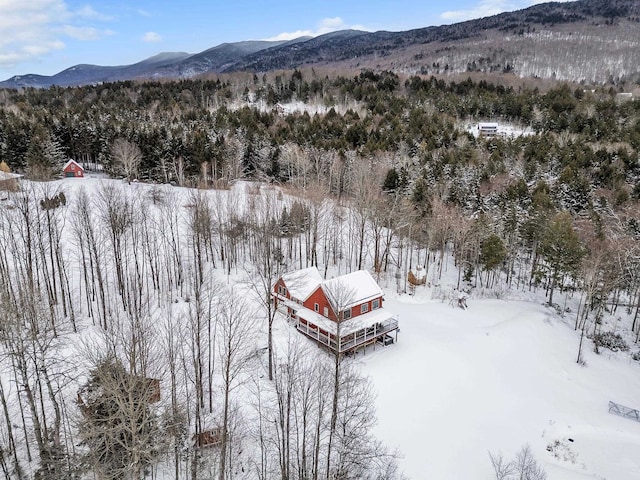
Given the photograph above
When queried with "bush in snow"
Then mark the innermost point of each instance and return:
(610, 340)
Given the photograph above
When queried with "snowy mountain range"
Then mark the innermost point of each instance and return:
(588, 40)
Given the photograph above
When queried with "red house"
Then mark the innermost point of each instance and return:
(73, 169)
(344, 313)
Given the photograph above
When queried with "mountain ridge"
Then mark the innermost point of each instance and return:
(535, 42)
(553, 17)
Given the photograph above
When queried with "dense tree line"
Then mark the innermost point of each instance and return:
(198, 123)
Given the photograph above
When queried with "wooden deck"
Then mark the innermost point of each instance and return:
(350, 342)
(378, 324)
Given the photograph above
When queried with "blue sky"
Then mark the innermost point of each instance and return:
(47, 36)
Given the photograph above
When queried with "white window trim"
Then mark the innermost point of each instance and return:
(375, 304)
(364, 308)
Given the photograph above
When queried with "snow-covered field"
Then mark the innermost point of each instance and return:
(462, 383)
(459, 384)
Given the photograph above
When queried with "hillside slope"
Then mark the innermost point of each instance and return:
(588, 40)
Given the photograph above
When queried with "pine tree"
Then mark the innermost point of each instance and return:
(561, 249)
(493, 253)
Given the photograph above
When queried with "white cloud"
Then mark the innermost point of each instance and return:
(84, 33)
(331, 24)
(42, 49)
(486, 8)
(326, 25)
(87, 11)
(30, 30)
(151, 37)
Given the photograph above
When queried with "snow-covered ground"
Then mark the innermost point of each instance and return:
(462, 383)
(296, 106)
(501, 374)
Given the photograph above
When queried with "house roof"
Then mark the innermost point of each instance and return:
(351, 325)
(359, 285)
(302, 283)
(8, 176)
(355, 287)
(72, 162)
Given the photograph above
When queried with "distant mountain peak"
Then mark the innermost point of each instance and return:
(584, 41)
(167, 56)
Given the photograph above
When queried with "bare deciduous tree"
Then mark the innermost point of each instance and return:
(128, 157)
(119, 418)
(236, 327)
(118, 424)
(523, 467)
(340, 296)
(269, 263)
(502, 468)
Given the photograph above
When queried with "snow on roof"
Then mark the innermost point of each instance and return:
(70, 162)
(302, 283)
(360, 285)
(379, 315)
(8, 176)
(499, 129)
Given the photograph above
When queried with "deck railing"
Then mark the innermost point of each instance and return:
(350, 341)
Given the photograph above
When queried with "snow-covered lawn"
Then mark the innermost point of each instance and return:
(499, 375)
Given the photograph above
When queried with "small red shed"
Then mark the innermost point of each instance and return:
(73, 169)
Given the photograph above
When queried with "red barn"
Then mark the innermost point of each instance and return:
(344, 313)
(73, 169)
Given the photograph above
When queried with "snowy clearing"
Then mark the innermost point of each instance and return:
(502, 130)
(460, 383)
(296, 106)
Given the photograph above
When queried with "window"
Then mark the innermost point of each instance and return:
(364, 308)
(282, 290)
(316, 307)
(346, 314)
(375, 304)
(326, 312)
